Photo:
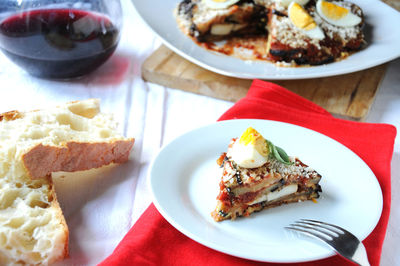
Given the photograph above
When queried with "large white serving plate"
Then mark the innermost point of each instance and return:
(184, 181)
(382, 34)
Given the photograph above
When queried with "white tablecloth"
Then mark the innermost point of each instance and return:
(100, 207)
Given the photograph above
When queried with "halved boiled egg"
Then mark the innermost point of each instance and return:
(302, 20)
(219, 4)
(286, 3)
(337, 15)
(250, 150)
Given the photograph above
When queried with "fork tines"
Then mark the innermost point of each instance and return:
(322, 230)
(342, 241)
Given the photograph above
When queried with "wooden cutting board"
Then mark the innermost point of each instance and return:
(348, 96)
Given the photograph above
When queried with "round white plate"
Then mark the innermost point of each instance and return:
(383, 38)
(184, 181)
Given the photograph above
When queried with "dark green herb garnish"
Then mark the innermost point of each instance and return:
(278, 153)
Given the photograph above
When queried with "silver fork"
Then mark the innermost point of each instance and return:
(341, 240)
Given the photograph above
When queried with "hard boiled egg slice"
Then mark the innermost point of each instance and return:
(337, 15)
(219, 4)
(302, 20)
(286, 3)
(250, 150)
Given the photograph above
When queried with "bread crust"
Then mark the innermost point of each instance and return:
(11, 115)
(55, 205)
(42, 160)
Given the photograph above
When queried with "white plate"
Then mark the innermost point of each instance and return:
(184, 181)
(381, 33)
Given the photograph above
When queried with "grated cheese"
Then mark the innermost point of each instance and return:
(284, 31)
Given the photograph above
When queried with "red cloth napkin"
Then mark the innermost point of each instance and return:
(153, 241)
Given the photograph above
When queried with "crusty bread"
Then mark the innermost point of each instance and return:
(72, 137)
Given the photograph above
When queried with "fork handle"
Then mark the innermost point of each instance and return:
(360, 256)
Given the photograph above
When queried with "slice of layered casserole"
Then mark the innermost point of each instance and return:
(286, 32)
(256, 175)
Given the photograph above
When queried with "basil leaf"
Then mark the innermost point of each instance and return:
(278, 153)
(270, 147)
(283, 155)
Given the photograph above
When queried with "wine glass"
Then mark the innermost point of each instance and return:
(59, 39)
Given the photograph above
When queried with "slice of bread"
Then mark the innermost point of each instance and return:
(72, 137)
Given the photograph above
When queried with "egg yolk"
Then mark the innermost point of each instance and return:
(219, 1)
(252, 137)
(249, 136)
(333, 11)
(300, 17)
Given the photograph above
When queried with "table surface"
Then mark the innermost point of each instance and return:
(103, 208)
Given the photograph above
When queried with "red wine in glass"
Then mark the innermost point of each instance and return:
(58, 43)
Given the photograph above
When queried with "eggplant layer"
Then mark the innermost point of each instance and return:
(244, 21)
(223, 212)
